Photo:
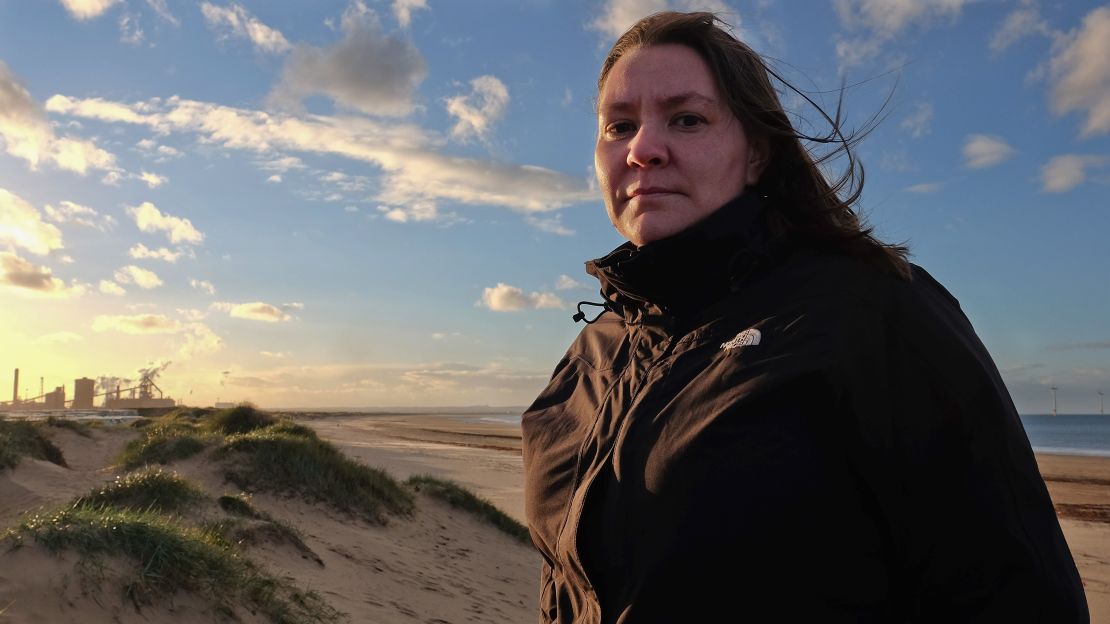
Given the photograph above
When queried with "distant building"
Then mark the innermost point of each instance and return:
(84, 390)
(55, 400)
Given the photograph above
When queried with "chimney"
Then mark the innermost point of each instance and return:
(15, 388)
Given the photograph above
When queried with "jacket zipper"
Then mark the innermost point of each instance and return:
(668, 345)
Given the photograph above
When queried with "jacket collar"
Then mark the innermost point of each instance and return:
(681, 275)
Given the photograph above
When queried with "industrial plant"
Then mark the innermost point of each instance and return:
(145, 395)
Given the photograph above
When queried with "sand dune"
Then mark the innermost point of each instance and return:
(441, 565)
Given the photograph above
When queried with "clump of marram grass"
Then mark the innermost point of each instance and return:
(170, 556)
(82, 429)
(165, 441)
(460, 498)
(286, 426)
(147, 488)
(254, 526)
(239, 419)
(184, 412)
(19, 439)
(282, 460)
(239, 506)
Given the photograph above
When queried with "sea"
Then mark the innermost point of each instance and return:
(1071, 434)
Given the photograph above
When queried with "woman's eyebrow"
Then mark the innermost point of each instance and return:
(671, 101)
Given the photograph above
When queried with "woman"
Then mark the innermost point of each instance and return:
(777, 417)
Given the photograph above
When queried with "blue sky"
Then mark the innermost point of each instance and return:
(389, 203)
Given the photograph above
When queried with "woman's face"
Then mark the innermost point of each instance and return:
(669, 152)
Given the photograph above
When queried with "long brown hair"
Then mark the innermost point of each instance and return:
(804, 205)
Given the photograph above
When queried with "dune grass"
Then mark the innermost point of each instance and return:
(239, 419)
(459, 497)
(19, 439)
(253, 526)
(82, 429)
(146, 488)
(170, 556)
(164, 442)
(283, 460)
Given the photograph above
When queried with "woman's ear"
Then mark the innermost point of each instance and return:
(758, 156)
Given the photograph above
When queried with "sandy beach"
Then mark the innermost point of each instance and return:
(439, 566)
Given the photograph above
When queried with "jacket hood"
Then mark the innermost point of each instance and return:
(679, 275)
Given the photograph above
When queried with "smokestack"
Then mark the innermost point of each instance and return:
(15, 388)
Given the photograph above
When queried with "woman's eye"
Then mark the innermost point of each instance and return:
(688, 121)
(618, 128)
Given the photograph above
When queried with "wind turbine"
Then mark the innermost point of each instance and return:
(1053, 400)
(1100, 411)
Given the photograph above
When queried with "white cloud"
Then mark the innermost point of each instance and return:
(254, 311)
(202, 285)
(506, 298)
(280, 355)
(412, 168)
(197, 338)
(61, 337)
(1020, 23)
(129, 30)
(159, 153)
(109, 287)
(477, 111)
(274, 179)
(1080, 72)
(617, 15)
(87, 9)
(566, 282)
(149, 219)
(235, 21)
(418, 211)
(163, 11)
(981, 151)
(140, 251)
(876, 22)
(24, 277)
(917, 123)
(402, 10)
(71, 212)
(437, 382)
(552, 224)
(192, 314)
(925, 187)
(27, 134)
(283, 164)
(136, 324)
(1065, 172)
(367, 70)
(21, 226)
(153, 180)
(139, 276)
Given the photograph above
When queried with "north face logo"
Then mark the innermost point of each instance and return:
(745, 338)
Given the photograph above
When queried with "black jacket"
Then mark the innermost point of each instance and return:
(760, 432)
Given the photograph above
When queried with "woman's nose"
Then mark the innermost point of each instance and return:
(648, 148)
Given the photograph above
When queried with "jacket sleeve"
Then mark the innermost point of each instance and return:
(975, 534)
